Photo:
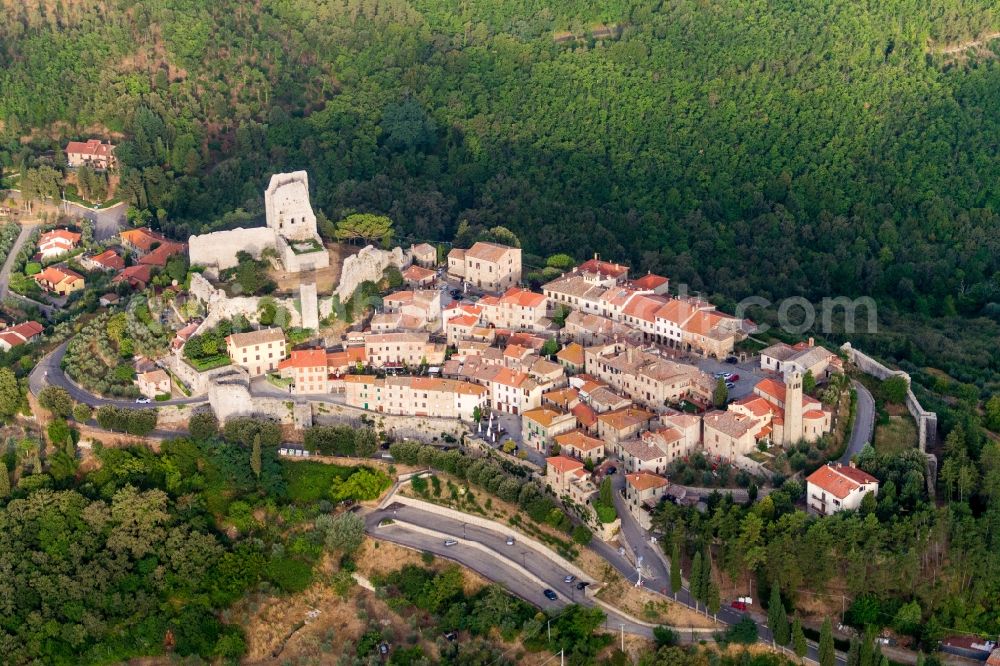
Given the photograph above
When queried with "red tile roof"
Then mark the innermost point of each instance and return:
(564, 464)
(92, 147)
(840, 480)
(304, 358)
(605, 268)
(110, 260)
(643, 481)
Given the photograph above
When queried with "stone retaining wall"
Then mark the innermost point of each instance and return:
(421, 428)
(926, 421)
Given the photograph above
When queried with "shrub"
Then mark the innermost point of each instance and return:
(291, 575)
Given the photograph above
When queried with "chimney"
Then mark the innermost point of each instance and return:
(812, 342)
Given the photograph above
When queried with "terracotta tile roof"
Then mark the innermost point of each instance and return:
(644, 307)
(731, 423)
(650, 282)
(56, 275)
(605, 268)
(814, 414)
(456, 253)
(840, 480)
(578, 440)
(643, 481)
(60, 236)
(304, 358)
(562, 396)
(757, 405)
(263, 336)
(28, 329)
(491, 252)
(164, 251)
(157, 376)
(135, 275)
(584, 414)
(110, 260)
(524, 339)
(522, 297)
(465, 321)
(414, 273)
(571, 353)
(93, 147)
(346, 358)
(645, 450)
(142, 238)
(543, 416)
(423, 248)
(360, 379)
(564, 464)
(625, 417)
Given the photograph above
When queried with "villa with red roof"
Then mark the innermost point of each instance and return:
(92, 153)
(109, 260)
(567, 476)
(56, 243)
(59, 280)
(643, 491)
(19, 335)
(835, 487)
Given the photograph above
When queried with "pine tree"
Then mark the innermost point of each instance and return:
(255, 462)
(675, 567)
(799, 644)
(69, 448)
(4, 480)
(695, 577)
(712, 599)
(827, 654)
(777, 618)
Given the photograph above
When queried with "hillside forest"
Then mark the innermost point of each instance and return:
(815, 148)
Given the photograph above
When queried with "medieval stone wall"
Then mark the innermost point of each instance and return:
(219, 248)
(368, 265)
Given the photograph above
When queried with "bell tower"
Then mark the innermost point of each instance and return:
(793, 406)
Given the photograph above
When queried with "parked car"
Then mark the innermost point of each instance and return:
(582, 584)
(510, 541)
(730, 385)
(569, 579)
(732, 360)
(550, 595)
(739, 605)
(612, 470)
(450, 542)
(142, 401)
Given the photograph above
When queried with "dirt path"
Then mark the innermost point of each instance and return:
(970, 44)
(325, 278)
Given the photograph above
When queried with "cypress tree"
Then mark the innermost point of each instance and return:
(827, 654)
(675, 567)
(4, 480)
(777, 618)
(799, 644)
(255, 461)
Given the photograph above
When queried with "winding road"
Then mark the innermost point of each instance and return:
(49, 372)
(864, 423)
(8, 266)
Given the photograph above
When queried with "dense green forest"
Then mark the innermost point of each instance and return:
(815, 148)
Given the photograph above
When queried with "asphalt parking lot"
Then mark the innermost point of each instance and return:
(748, 371)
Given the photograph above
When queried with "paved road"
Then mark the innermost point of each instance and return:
(8, 265)
(107, 221)
(49, 372)
(496, 567)
(864, 423)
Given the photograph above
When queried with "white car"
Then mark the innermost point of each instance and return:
(450, 542)
(142, 401)
(510, 541)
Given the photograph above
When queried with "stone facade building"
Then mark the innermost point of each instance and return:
(257, 352)
(416, 396)
(488, 266)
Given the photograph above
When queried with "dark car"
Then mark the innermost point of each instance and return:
(550, 595)
(732, 360)
(612, 470)
(582, 584)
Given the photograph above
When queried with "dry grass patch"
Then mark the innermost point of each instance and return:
(382, 557)
(651, 607)
(898, 435)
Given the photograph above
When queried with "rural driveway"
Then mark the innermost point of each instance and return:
(107, 221)
(48, 371)
(864, 423)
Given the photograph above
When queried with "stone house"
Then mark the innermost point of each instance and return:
(416, 396)
(258, 352)
(308, 369)
(643, 491)
(154, 383)
(571, 357)
(622, 424)
(643, 454)
(567, 476)
(647, 378)
(424, 254)
(804, 357)
(487, 266)
(578, 444)
(517, 310)
(417, 277)
(19, 335)
(109, 260)
(541, 425)
(397, 349)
